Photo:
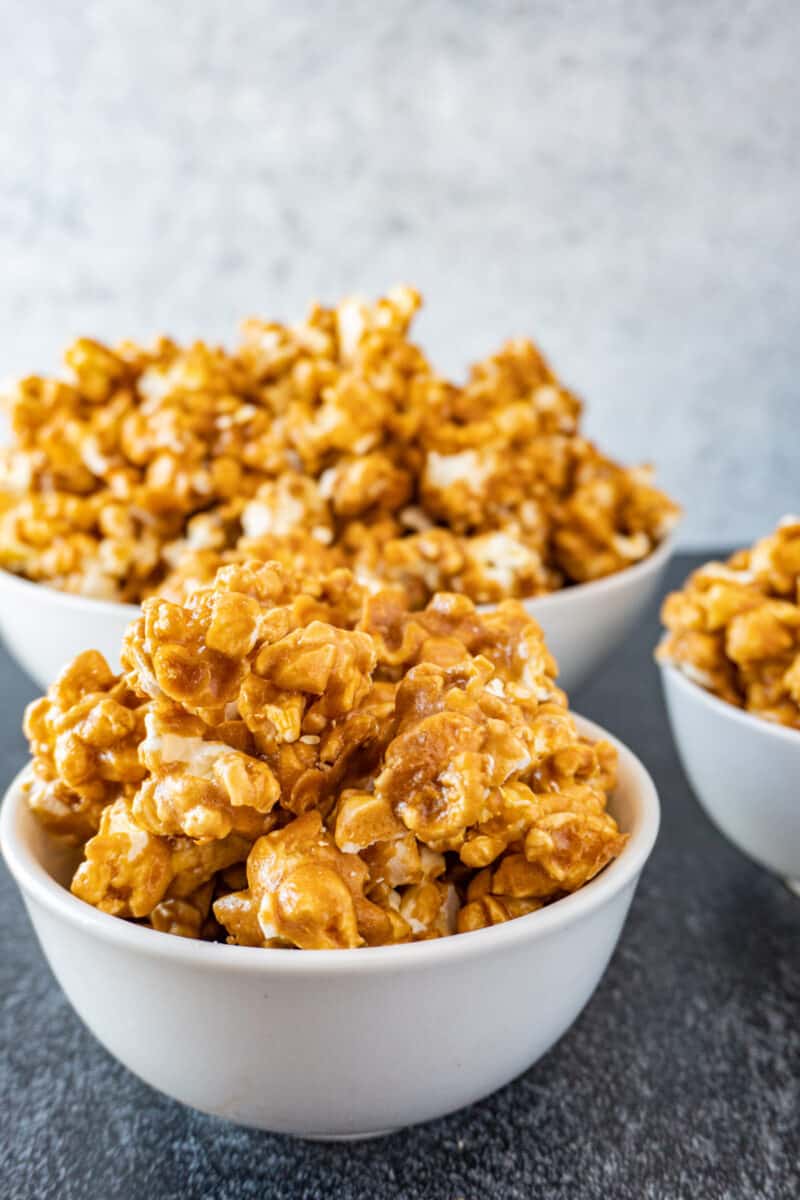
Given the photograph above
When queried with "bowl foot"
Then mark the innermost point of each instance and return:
(347, 1137)
(793, 885)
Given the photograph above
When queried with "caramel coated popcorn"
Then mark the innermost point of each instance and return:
(292, 762)
(325, 444)
(735, 627)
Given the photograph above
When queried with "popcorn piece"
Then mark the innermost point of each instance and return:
(430, 909)
(401, 859)
(127, 871)
(461, 740)
(167, 653)
(322, 661)
(196, 785)
(238, 915)
(184, 917)
(362, 819)
(493, 910)
(306, 892)
(282, 506)
(84, 737)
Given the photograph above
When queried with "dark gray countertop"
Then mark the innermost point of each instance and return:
(680, 1079)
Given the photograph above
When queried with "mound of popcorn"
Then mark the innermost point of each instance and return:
(329, 443)
(734, 628)
(306, 762)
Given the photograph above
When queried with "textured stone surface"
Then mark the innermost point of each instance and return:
(680, 1080)
(617, 180)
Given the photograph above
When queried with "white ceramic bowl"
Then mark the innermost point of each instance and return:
(332, 1043)
(743, 769)
(584, 624)
(44, 628)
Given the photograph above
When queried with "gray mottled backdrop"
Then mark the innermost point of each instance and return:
(618, 180)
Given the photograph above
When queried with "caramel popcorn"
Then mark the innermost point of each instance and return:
(310, 763)
(734, 629)
(84, 738)
(325, 444)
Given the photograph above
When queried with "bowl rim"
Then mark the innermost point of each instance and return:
(607, 584)
(68, 599)
(35, 882)
(594, 587)
(669, 671)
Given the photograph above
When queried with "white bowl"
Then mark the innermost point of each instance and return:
(332, 1043)
(743, 769)
(44, 628)
(584, 624)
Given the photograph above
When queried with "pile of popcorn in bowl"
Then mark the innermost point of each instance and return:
(734, 628)
(329, 443)
(319, 767)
